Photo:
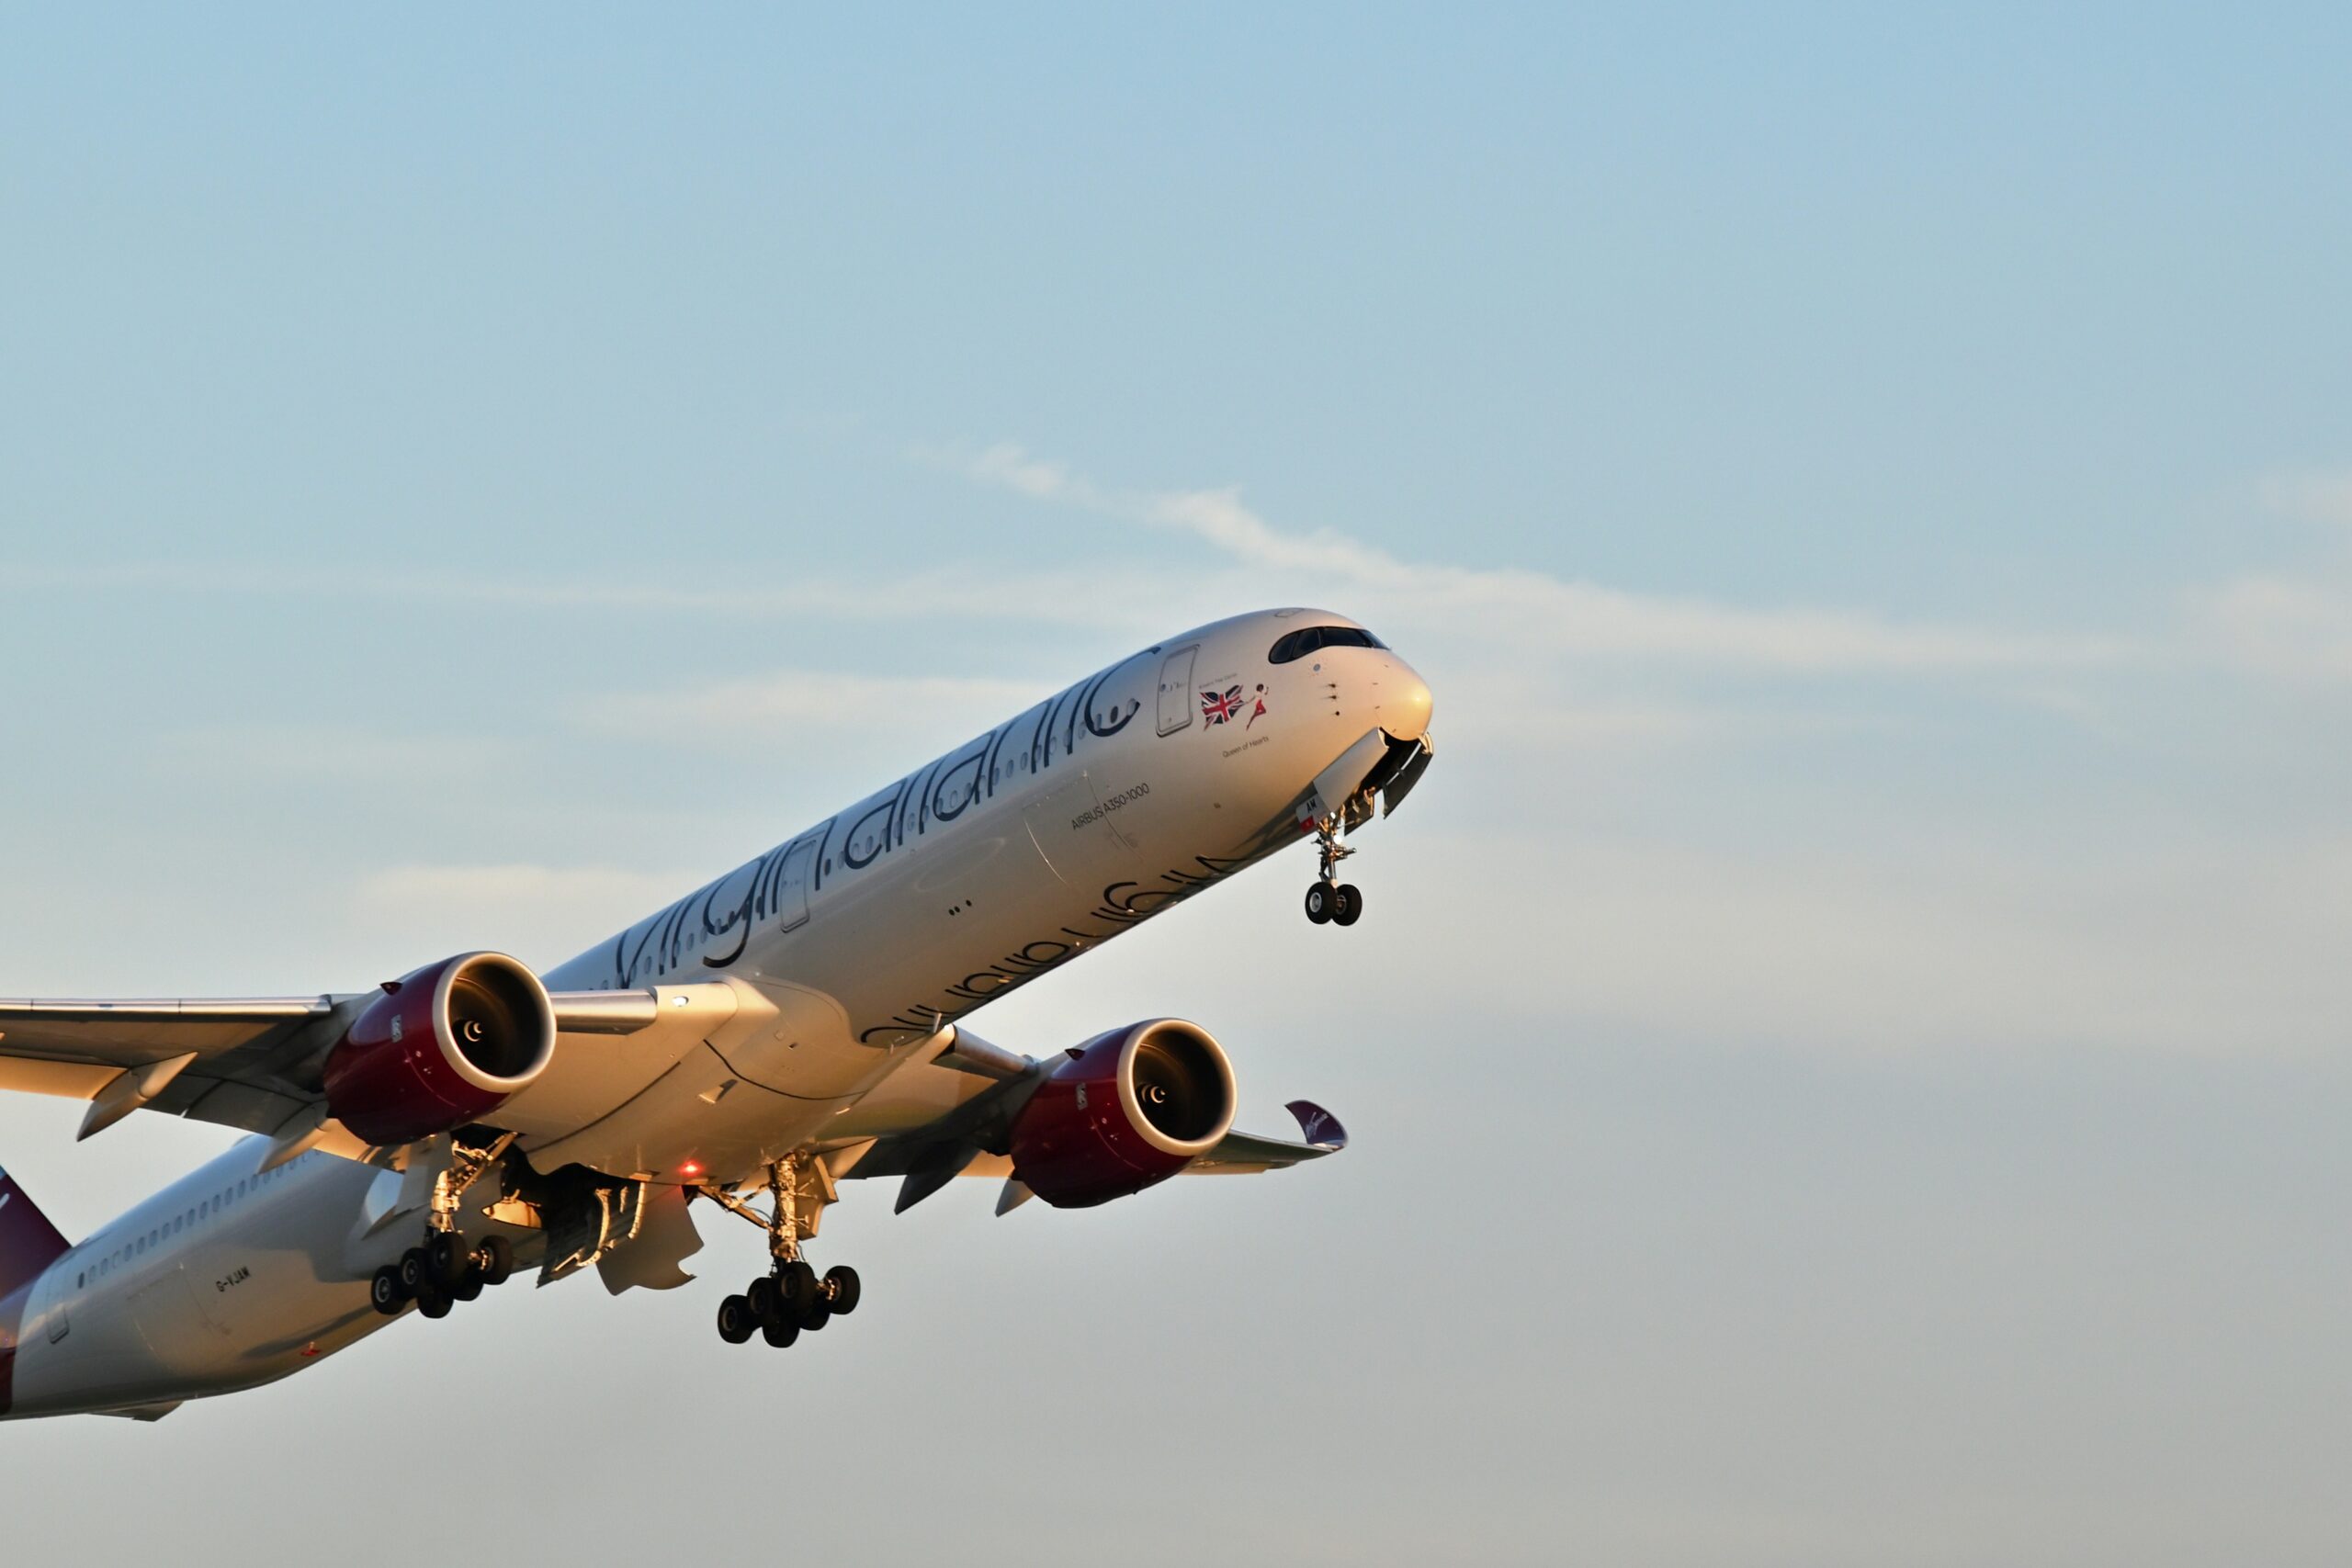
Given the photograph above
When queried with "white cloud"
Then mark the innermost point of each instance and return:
(2292, 626)
(504, 889)
(2287, 628)
(2313, 496)
(342, 753)
(1534, 608)
(1091, 600)
(824, 701)
(2213, 949)
(542, 914)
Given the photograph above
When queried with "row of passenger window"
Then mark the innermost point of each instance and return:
(157, 1235)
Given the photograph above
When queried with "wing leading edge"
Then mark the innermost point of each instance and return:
(251, 1063)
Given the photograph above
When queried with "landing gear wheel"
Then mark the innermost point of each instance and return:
(450, 1257)
(494, 1258)
(796, 1283)
(840, 1289)
(779, 1333)
(469, 1287)
(765, 1302)
(384, 1293)
(431, 1301)
(816, 1317)
(416, 1274)
(735, 1320)
(1319, 902)
(1346, 903)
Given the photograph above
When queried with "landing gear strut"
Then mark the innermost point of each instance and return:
(445, 1269)
(1328, 898)
(790, 1299)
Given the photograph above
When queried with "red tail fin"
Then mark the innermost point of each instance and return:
(29, 1242)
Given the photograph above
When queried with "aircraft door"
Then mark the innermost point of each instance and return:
(1176, 690)
(791, 901)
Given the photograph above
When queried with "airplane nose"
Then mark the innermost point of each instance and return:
(1405, 708)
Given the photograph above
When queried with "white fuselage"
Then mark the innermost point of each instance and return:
(851, 944)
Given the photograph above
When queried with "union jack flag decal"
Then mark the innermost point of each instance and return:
(1221, 707)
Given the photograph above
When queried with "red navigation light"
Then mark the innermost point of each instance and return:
(690, 1169)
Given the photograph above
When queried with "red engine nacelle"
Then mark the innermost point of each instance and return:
(1128, 1108)
(441, 1047)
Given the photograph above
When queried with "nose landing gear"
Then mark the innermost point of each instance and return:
(1329, 901)
(791, 1299)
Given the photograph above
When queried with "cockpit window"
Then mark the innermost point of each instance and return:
(1307, 639)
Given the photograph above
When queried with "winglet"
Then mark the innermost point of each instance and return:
(1318, 1127)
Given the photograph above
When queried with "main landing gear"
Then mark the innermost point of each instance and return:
(445, 1269)
(1329, 901)
(791, 1299)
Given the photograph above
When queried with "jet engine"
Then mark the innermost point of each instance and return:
(1128, 1108)
(440, 1047)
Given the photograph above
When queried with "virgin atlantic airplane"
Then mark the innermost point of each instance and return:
(793, 1024)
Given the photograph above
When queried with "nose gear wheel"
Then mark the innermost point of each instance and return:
(1330, 901)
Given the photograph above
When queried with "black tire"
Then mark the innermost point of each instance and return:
(1318, 902)
(779, 1333)
(735, 1320)
(432, 1302)
(495, 1260)
(449, 1257)
(1346, 905)
(469, 1287)
(766, 1301)
(384, 1293)
(816, 1317)
(840, 1289)
(796, 1282)
(416, 1274)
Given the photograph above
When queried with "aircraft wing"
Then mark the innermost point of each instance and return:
(247, 1062)
(952, 1116)
(251, 1063)
(1239, 1153)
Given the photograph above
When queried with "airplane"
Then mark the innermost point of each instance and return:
(790, 1025)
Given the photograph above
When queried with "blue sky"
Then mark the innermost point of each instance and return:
(1851, 1027)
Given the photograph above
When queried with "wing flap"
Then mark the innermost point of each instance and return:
(68, 1080)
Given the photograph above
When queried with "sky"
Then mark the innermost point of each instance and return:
(1844, 1048)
